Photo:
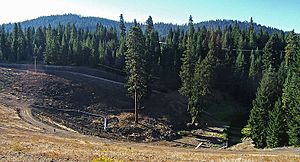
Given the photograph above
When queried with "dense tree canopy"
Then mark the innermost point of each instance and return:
(245, 62)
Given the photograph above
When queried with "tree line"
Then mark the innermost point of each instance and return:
(253, 66)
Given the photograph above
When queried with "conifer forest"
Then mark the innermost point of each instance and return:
(259, 68)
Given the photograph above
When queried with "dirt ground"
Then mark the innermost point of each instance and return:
(53, 96)
(24, 137)
(21, 141)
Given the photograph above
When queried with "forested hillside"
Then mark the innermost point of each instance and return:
(91, 23)
(246, 62)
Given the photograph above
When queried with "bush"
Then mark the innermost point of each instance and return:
(246, 131)
(183, 133)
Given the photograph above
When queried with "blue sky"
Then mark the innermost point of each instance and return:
(282, 14)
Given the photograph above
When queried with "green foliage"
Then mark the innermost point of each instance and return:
(219, 68)
(246, 131)
(202, 84)
(276, 128)
(183, 133)
(188, 64)
(135, 63)
(263, 103)
(291, 90)
(240, 63)
(271, 56)
(291, 103)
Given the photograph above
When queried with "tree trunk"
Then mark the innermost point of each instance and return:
(135, 107)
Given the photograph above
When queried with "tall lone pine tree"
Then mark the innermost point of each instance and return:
(135, 67)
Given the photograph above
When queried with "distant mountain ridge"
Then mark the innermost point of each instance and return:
(91, 22)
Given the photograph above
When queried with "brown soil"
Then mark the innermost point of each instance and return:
(27, 139)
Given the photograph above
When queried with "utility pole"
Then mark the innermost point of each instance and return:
(35, 63)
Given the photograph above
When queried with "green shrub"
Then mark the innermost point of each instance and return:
(246, 131)
(183, 133)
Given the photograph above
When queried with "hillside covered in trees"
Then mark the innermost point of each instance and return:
(258, 68)
(91, 23)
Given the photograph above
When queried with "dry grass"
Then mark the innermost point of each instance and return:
(20, 141)
(18, 147)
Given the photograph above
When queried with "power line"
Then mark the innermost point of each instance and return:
(247, 50)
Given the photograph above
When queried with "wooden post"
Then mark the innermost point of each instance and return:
(35, 63)
(135, 107)
(105, 123)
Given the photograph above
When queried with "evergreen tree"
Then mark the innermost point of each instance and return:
(39, 43)
(29, 43)
(252, 69)
(64, 51)
(14, 44)
(52, 46)
(101, 51)
(120, 62)
(21, 44)
(276, 126)
(4, 45)
(264, 102)
(252, 36)
(291, 103)
(202, 82)
(271, 56)
(152, 48)
(262, 38)
(188, 64)
(291, 90)
(240, 63)
(93, 46)
(135, 66)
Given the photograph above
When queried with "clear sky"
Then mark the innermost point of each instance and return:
(282, 14)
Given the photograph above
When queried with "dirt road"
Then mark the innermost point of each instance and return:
(21, 141)
(24, 138)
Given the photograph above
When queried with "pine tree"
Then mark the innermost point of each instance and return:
(152, 48)
(240, 63)
(252, 35)
(29, 43)
(264, 102)
(227, 44)
(77, 50)
(39, 43)
(291, 90)
(4, 45)
(276, 127)
(48, 50)
(271, 56)
(202, 82)
(252, 68)
(120, 61)
(291, 103)
(188, 64)
(262, 38)
(135, 66)
(52, 46)
(14, 45)
(64, 51)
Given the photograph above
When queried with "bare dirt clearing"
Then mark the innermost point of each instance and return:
(21, 141)
(36, 141)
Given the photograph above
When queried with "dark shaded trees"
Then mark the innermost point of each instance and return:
(264, 102)
(291, 90)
